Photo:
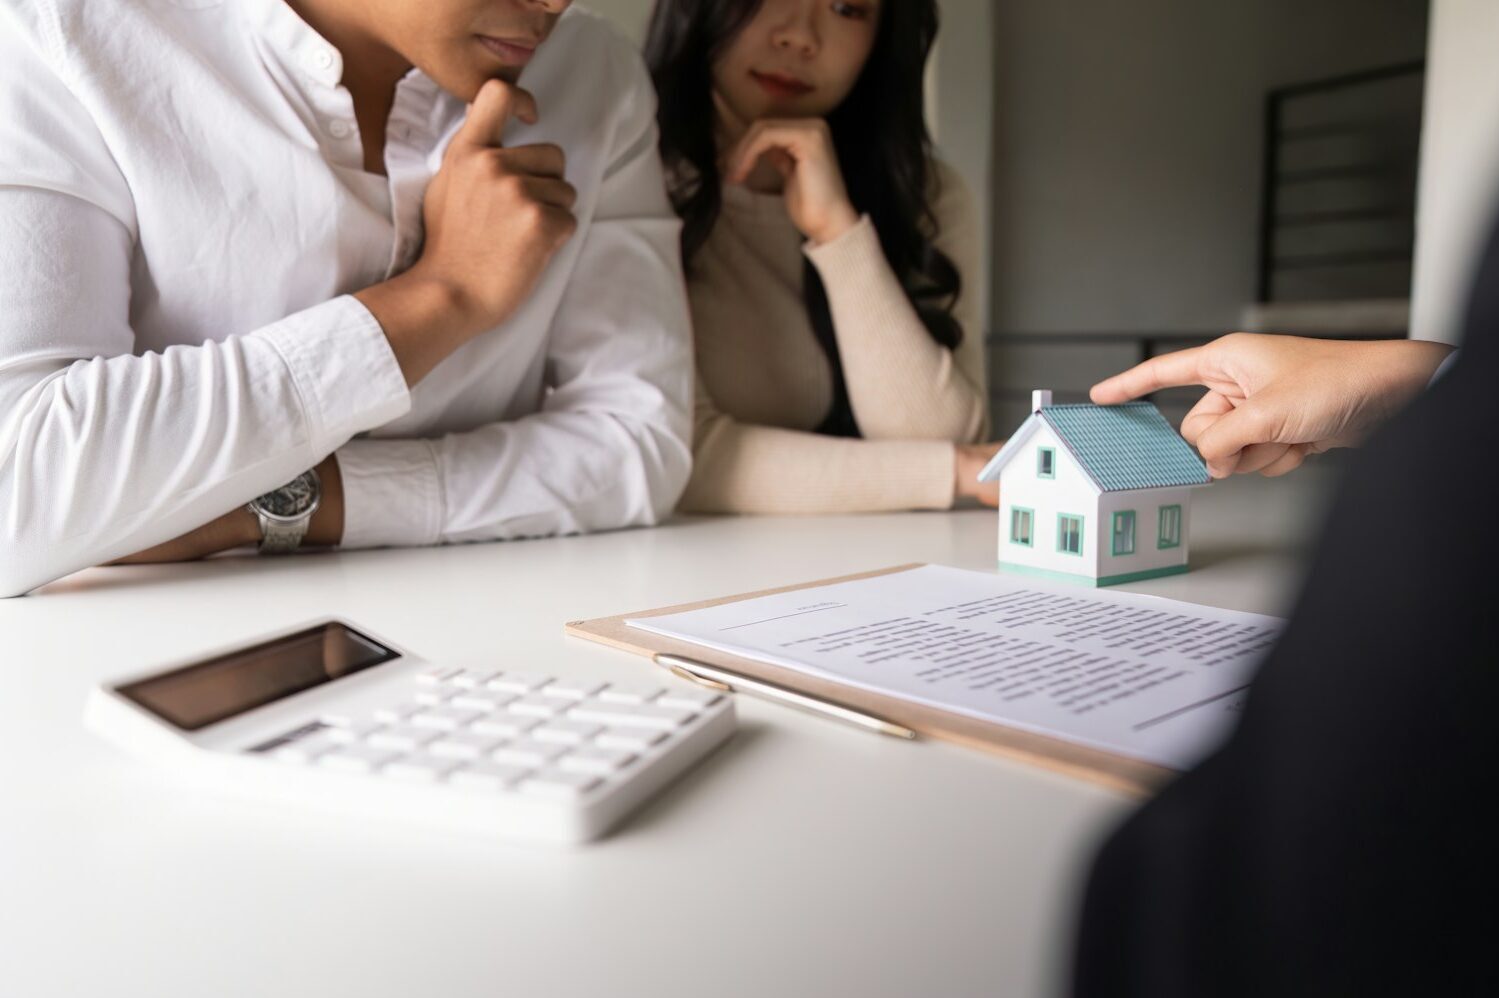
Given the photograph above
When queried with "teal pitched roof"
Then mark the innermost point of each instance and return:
(1128, 446)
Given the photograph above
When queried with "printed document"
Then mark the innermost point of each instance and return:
(1141, 676)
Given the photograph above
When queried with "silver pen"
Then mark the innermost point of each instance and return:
(716, 678)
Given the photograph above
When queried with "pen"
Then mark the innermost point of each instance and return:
(715, 678)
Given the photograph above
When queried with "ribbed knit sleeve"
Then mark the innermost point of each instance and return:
(743, 468)
(764, 383)
(902, 384)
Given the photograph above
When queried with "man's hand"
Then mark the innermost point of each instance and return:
(969, 460)
(239, 527)
(1272, 400)
(494, 218)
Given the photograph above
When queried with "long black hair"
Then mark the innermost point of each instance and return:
(880, 135)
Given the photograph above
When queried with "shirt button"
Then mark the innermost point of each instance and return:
(340, 129)
(320, 59)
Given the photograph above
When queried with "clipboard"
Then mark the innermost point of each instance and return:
(1132, 776)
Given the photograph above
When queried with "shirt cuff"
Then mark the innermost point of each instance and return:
(392, 493)
(938, 460)
(346, 374)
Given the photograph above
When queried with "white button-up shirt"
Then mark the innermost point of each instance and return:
(183, 214)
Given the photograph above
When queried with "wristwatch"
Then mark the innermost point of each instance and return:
(285, 513)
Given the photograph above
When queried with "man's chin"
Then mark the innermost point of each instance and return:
(466, 82)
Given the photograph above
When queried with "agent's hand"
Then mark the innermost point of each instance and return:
(1272, 400)
(969, 461)
(494, 217)
(801, 150)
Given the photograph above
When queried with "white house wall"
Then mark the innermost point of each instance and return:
(1148, 555)
(1072, 491)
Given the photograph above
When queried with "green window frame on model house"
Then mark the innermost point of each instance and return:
(1123, 532)
(1070, 534)
(1169, 527)
(1046, 462)
(1021, 515)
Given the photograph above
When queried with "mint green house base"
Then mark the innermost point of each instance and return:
(1088, 580)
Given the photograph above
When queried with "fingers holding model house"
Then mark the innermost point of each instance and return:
(494, 218)
(1272, 400)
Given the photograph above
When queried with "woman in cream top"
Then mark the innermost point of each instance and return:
(830, 378)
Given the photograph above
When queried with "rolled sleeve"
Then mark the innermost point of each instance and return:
(345, 372)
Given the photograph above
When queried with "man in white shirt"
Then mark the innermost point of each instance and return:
(237, 243)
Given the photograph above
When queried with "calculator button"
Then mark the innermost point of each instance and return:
(356, 758)
(518, 682)
(436, 675)
(504, 725)
(420, 768)
(402, 738)
(538, 706)
(559, 784)
(616, 693)
(464, 745)
(598, 761)
(304, 749)
(445, 718)
(353, 731)
(565, 732)
(688, 699)
(572, 689)
(632, 715)
(473, 679)
(488, 775)
(481, 701)
(396, 714)
(526, 752)
(632, 739)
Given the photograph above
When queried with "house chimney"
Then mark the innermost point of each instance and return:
(1040, 397)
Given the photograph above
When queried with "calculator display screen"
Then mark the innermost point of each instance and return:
(204, 693)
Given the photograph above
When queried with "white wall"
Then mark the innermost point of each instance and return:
(1459, 161)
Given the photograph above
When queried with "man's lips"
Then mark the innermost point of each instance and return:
(781, 86)
(511, 51)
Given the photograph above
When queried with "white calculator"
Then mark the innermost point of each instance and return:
(328, 716)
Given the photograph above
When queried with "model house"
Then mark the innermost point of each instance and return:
(1095, 494)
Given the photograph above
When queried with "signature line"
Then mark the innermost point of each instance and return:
(752, 623)
(1182, 710)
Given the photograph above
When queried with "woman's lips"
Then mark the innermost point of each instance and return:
(781, 86)
(512, 52)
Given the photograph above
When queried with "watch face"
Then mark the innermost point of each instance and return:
(292, 500)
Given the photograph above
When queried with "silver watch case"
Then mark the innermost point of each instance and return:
(285, 513)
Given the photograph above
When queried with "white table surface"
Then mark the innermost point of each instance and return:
(803, 858)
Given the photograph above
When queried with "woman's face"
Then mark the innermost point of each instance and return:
(796, 58)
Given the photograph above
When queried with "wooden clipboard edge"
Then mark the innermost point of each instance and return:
(1116, 772)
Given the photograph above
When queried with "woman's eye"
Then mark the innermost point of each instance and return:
(853, 11)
